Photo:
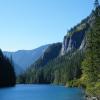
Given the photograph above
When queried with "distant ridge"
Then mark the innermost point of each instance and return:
(22, 59)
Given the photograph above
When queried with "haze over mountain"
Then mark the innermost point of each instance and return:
(22, 59)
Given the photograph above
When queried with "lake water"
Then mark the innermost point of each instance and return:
(40, 92)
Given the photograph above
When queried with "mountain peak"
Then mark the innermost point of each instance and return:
(96, 4)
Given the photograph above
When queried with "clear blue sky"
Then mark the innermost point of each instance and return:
(28, 24)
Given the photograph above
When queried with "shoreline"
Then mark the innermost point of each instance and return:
(87, 97)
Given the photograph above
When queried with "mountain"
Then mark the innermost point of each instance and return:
(22, 59)
(50, 53)
(66, 65)
(76, 36)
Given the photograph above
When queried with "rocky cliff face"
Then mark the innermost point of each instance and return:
(71, 43)
(75, 38)
(74, 41)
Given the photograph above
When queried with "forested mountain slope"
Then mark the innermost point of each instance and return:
(77, 62)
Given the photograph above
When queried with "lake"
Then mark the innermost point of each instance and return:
(40, 92)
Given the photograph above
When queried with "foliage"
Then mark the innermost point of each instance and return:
(57, 71)
(7, 74)
(91, 63)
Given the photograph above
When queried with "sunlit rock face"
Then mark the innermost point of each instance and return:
(73, 42)
(76, 36)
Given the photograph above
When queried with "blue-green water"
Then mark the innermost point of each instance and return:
(40, 92)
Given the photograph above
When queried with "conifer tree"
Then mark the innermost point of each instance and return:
(7, 74)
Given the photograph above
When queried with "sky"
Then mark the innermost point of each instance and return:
(28, 24)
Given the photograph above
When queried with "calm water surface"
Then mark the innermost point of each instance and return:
(40, 92)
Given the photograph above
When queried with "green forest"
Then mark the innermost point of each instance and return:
(7, 74)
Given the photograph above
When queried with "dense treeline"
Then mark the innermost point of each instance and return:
(7, 74)
(59, 71)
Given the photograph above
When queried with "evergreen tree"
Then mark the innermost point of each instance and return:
(7, 74)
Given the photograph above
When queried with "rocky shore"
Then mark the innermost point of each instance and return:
(92, 98)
